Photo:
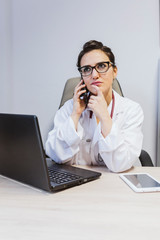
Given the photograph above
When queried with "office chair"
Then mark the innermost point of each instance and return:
(144, 157)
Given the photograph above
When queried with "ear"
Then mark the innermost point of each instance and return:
(115, 72)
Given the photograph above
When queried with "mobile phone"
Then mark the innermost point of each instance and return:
(85, 96)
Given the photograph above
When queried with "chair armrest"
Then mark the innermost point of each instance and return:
(145, 159)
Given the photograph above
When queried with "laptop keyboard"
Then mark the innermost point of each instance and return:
(61, 177)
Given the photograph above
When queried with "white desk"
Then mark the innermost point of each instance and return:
(105, 209)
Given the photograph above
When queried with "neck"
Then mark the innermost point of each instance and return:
(108, 97)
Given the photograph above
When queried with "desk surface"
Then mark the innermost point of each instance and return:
(103, 209)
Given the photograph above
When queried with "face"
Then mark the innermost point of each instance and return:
(101, 80)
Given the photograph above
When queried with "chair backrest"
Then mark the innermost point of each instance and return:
(68, 94)
(71, 84)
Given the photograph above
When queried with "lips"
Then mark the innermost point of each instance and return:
(97, 83)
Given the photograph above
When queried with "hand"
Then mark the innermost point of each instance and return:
(78, 104)
(98, 105)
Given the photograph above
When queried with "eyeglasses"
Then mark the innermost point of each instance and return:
(100, 67)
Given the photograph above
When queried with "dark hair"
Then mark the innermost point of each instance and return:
(95, 45)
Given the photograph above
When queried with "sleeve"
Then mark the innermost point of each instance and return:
(122, 147)
(63, 141)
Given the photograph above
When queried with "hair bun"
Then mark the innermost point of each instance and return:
(92, 44)
(95, 45)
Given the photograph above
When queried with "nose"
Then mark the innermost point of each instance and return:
(95, 74)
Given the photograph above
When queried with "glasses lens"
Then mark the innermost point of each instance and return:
(86, 71)
(102, 67)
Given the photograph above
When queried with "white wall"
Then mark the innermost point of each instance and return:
(5, 56)
(40, 41)
(158, 120)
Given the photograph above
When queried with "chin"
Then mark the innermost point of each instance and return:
(92, 91)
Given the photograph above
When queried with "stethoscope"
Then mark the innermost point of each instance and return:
(113, 104)
(112, 110)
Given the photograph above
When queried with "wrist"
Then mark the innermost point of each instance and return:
(75, 117)
(106, 127)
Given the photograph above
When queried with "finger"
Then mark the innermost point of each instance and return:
(79, 84)
(81, 81)
(96, 90)
(79, 88)
(81, 92)
(92, 100)
(93, 97)
(99, 92)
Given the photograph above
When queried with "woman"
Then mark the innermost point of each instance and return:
(105, 129)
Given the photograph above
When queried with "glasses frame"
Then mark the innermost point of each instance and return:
(94, 67)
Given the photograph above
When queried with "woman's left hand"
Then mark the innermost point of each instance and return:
(98, 105)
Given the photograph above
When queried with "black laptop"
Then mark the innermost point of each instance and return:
(22, 157)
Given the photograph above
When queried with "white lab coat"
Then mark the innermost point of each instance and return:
(87, 146)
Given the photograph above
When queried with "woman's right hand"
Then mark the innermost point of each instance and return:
(78, 104)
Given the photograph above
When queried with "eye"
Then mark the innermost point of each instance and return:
(101, 66)
(86, 69)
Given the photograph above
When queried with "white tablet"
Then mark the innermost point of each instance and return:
(141, 182)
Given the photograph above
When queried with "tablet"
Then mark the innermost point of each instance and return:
(141, 182)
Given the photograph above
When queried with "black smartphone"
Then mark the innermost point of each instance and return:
(85, 96)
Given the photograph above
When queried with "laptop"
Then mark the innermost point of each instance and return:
(22, 157)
